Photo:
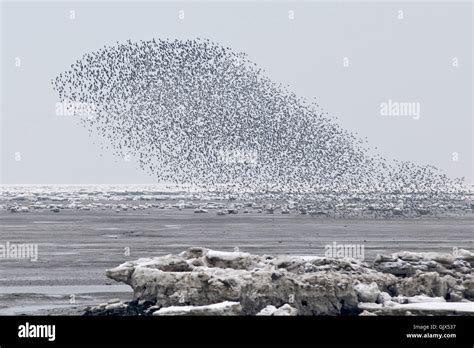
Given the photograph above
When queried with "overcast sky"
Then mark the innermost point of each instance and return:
(403, 60)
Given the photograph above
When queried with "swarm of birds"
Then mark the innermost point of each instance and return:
(193, 112)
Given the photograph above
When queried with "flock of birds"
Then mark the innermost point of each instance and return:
(196, 113)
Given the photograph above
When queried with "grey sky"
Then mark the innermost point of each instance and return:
(403, 60)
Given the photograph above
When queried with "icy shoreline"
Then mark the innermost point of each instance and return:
(201, 281)
(121, 198)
